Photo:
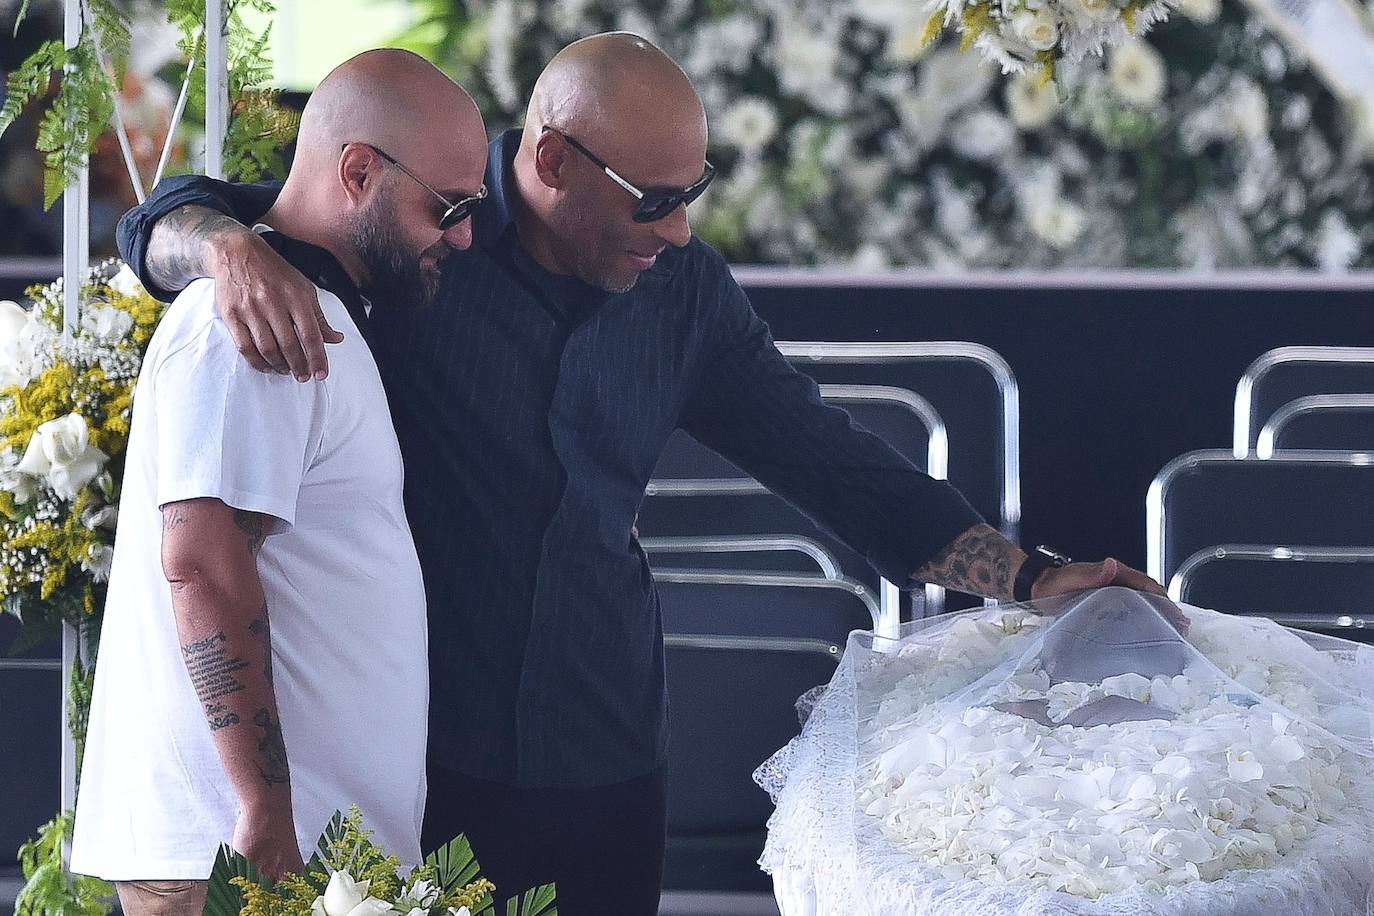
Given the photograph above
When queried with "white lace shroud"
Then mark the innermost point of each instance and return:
(1077, 756)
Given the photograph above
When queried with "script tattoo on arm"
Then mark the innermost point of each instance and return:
(271, 750)
(173, 516)
(176, 250)
(214, 676)
(979, 562)
(254, 526)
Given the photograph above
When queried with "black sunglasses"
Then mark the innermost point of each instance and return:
(455, 212)
(654, 203)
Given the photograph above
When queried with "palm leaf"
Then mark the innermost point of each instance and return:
(454, 865)
(221, 897)
(317, 868)
(537, 901)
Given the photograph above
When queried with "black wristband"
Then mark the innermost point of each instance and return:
(1037, 561)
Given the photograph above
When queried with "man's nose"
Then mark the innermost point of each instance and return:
(674, 228)
(459, 237)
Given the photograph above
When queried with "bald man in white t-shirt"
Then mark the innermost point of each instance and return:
(264, 658)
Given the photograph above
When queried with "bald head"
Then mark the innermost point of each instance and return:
(620, 84)
(391, 99)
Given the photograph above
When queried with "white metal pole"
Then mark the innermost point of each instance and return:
(216, 87)
(75, 258)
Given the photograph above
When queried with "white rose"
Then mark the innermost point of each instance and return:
(13, 320)
(750, 124)
(346, 897)
(1136, 74)
(1037, 29)
(105, 323)
(1203, 11)
(125, 282)
(460, 911)
(60, 450)
(1030, 104)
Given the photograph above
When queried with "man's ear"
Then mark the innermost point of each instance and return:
(551, 159)
(357, 172)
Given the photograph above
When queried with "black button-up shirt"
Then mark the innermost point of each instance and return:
(531, 410)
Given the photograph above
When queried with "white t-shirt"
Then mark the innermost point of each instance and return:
(343, 588)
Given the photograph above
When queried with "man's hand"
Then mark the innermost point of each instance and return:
(272, 311)
(1077, 577)
(268, 840)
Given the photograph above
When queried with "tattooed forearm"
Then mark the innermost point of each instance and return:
(271, 750)
(176, 250)
(213, 672)
(262, 626)
(254, 526)
(980, 562)
(219, 716)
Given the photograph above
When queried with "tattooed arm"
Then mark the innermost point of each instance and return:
(271, 309)
(209, 556)
(982, 562)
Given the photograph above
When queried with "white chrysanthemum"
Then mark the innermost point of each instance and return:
(1037, 29)
(750, 124)
(1136, 74)
(982, 135)
(1031, 102)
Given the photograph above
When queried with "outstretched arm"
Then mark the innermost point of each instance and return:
(209, 557)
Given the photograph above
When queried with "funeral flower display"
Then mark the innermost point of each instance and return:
(842, 139)
(1008, 761)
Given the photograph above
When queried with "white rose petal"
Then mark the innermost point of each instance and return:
(371, 907)
(342, 894)
(105, 324)
(60, 450)
(1243, 767)
(750, 124)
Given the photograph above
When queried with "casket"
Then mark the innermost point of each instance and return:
(1081, 756)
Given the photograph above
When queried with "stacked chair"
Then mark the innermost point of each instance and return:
(1280, 525)
(758, 601)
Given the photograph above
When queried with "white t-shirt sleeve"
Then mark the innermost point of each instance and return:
(227, 431)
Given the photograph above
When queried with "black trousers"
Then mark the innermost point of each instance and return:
(602, 846)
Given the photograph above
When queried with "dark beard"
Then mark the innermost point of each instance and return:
(393, 272)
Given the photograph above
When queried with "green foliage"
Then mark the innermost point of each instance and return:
(222, 896)
(84, 103)
(537, 901)
(49, 890)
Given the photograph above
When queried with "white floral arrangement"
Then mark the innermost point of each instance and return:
(65, 408)
(349, 875)
(1036, 35)
(842, 140)
(988, 794)
(1078, 759)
